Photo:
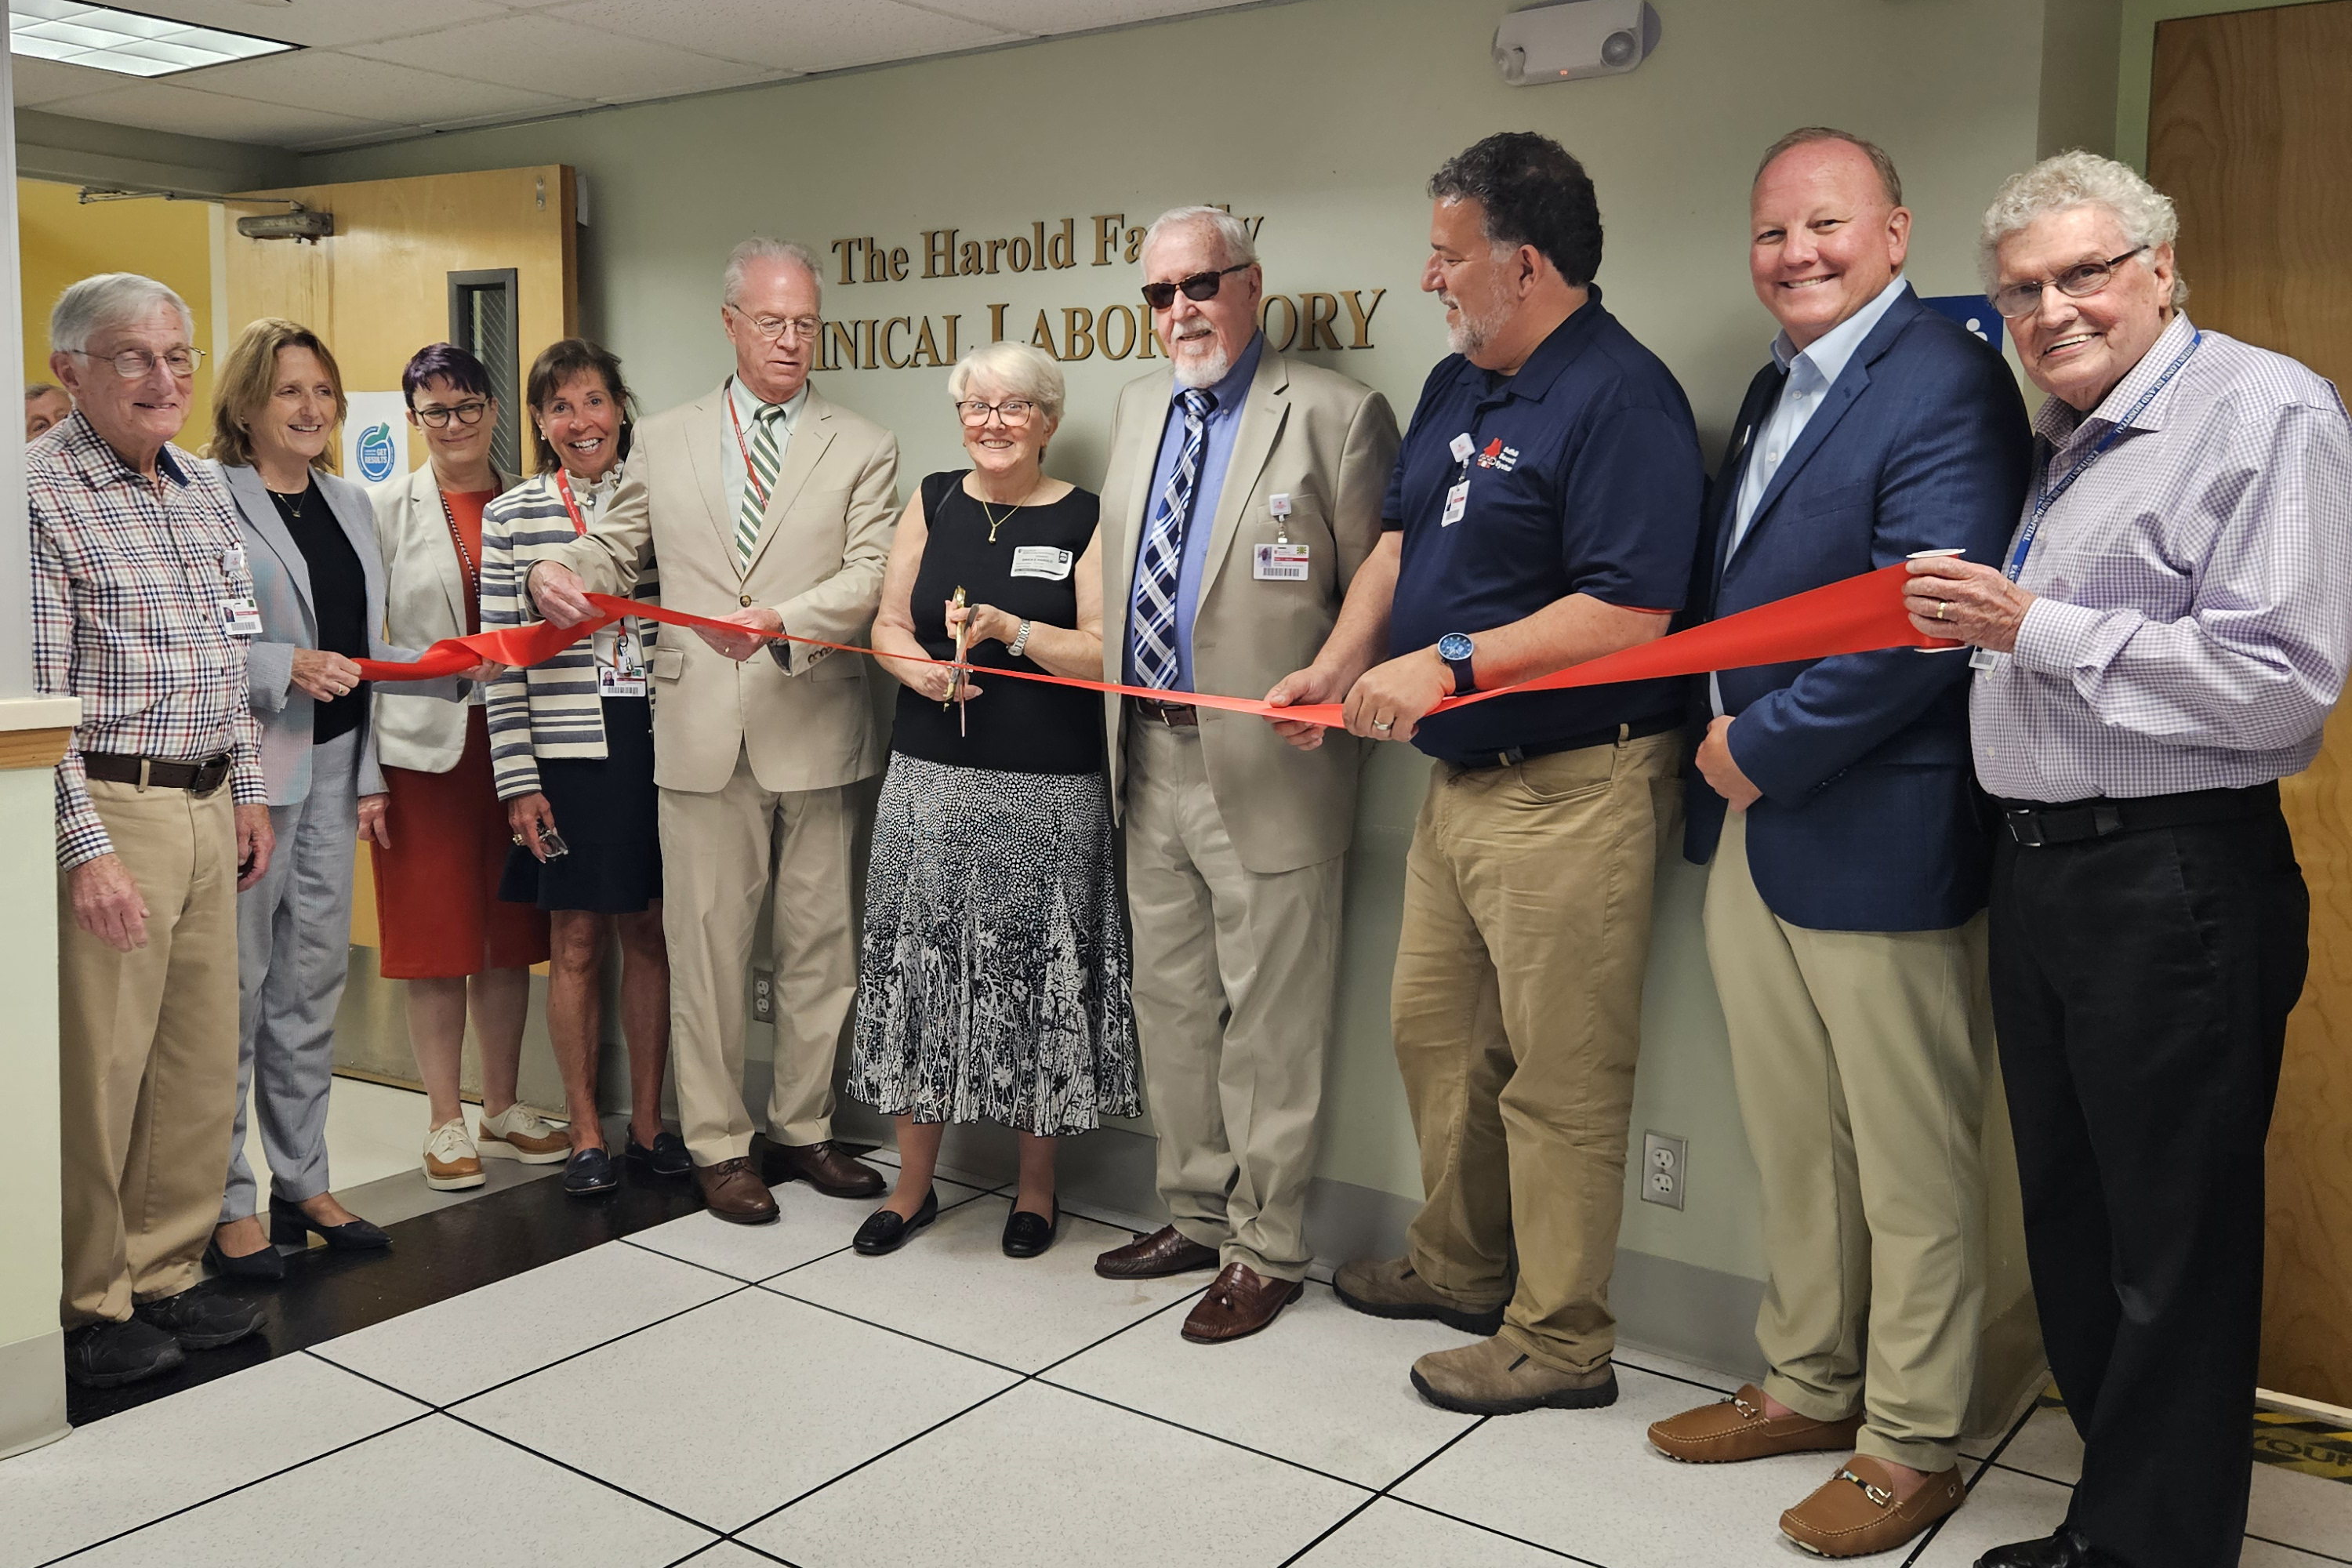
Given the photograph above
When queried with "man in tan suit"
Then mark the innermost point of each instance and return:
(770, 507)
(1244, 489)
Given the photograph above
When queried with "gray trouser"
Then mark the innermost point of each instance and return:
(293, 950)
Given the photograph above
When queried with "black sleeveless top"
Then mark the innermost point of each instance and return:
(1031, 573)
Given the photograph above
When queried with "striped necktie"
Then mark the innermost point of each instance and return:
(1163, 556)
(765, 461)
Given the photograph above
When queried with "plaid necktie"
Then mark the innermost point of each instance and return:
(765, 461)
(1163, 556)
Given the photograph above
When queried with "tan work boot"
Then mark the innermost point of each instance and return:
(1388, 1288)
(1494, 1377)
(1855, 1513)
(1737, 1428)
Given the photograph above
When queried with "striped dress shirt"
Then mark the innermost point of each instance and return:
(550, 710)
(2193, 618)
(129, 579)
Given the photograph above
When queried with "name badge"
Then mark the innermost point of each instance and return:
(1041, 561)
(625, 676)
(1279, 564)
(1457, 501)
(1462, 446)
(240, 618)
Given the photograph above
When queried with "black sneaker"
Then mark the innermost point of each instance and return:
(201, 1318)
(588, 1173)
(668, 1157)
(106, 1355)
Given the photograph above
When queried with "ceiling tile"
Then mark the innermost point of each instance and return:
(547, 55)
(320, 24)
(1071, 16)
(370, 90)
(161, 106)
(36, 84)
(790, 34)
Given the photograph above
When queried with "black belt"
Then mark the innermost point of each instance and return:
(1609, 735)
(153, 773)
(2035, 823)
(1175, 715)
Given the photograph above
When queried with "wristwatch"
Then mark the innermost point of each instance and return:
(1454, 649)
(1020, 640)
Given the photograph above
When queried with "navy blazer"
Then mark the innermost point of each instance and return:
(1871, 819)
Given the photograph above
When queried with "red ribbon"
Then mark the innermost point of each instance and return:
(1860, 615)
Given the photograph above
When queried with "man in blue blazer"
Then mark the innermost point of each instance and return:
(1844, 905)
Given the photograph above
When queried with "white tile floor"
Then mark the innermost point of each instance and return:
(708, 1394)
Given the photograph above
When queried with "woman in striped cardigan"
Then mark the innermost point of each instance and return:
(571, 748)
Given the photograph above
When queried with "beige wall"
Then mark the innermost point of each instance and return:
(1326, 118)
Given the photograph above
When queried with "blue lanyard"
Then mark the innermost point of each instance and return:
(2048, 494)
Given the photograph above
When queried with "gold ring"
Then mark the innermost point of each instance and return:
(1942, 609)
(518, 838)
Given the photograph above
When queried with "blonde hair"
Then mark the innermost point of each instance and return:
(247, 377)
(1021, 369)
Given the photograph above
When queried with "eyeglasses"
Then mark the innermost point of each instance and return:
(1014, 411)
(469, 412)
(2079, 282)
(134, 365)
(1200, 286)
(774, 328)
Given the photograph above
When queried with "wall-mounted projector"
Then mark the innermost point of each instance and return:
(1568, 39)
(299, 224)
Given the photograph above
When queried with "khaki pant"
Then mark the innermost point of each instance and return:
(147, 1059)
(1517, 1011)
(1861, 1058)
(1234, 978)
(717, 851)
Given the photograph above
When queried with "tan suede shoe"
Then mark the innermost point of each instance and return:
(1388, 1288)
(1736, 1428)
(1494, 1377)
(1855, 1512)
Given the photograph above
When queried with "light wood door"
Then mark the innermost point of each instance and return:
(2249, 132)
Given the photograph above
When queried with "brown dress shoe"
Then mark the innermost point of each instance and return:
(825, 1167)
(1240, 1302)
(1736, 1428)
(1855, 1512)
(732, 1192)
(1164, 1252)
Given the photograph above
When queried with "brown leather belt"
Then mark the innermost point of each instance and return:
(154, 772)
(1175, 715)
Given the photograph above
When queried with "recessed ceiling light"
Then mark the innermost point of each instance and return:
(124, 41)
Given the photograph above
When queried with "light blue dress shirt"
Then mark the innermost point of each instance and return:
(1216, 452)
(1812, 373)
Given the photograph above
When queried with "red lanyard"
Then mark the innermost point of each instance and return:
(563, 491)
(751, 474)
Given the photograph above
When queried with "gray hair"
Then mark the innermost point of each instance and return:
(95, 303)
(2070, 180)
(42, 389)
(1232, 234)
(761, 248)
(1020, 369)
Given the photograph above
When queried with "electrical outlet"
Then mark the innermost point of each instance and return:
(1664, 1162)
(763, 995)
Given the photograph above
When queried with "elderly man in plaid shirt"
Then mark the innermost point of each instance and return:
(142, 606)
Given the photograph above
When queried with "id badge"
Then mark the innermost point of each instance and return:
(625, 676)
(1279, 564)
(240, 618)
(1041, 561)
(1457, 501)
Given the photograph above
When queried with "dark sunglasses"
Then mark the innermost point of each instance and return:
(1200, 286)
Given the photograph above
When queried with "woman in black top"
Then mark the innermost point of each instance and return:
(992, 973)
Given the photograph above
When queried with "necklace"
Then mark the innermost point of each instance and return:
(995, 522)
(292, 505)
(457, 537)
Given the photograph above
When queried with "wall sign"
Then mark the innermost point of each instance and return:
(375, 437)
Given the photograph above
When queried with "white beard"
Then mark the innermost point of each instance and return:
(1203, 370)
(1471, 331)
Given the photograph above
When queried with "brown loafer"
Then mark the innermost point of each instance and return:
(1736, 1428)
(732, 1192)
(1240, 1302)
(825, 1167)
(1855, 1512)
(1164, 1252)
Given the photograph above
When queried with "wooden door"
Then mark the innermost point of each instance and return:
(2249, 132)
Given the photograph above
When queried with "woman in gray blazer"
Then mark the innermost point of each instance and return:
(310, 538)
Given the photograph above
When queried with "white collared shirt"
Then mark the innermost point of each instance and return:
(733, 462)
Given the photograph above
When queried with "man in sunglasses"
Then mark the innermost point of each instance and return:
(1243, 492)
(1544, 512)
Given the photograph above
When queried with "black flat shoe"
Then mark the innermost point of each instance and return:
(289, 1226)
(884, 1231)
(590, 1173)
(1026, 1235)
(200, 1318)
(668, 1157)
(263, 1265)
(108, 1355)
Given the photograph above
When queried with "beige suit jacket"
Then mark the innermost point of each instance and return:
(1330, 444)
(425, 599)
(818, 564)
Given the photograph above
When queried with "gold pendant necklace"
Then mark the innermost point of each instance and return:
(995, 522)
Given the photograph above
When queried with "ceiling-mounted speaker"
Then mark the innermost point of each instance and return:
(1570, 40)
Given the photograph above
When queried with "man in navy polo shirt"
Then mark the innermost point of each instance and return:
(1545, 512)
